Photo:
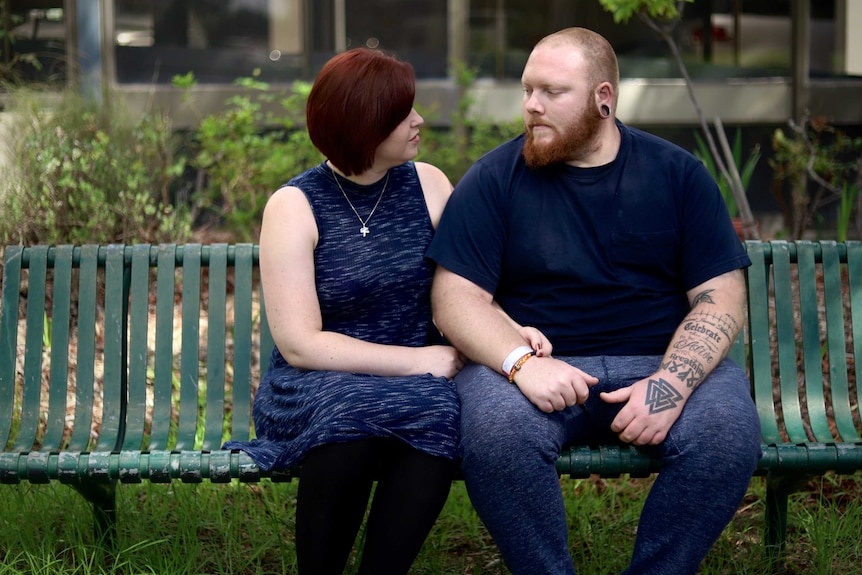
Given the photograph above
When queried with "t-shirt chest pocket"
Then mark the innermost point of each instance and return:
(645, 257)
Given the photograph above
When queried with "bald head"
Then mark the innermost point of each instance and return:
(595, 49)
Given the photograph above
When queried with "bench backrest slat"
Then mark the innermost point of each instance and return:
(786, 342)
(12, 264)
(189, 366)
(242, 342)
(809, 324)
(60, 330)
(267, 344)
(163, 354)
(215, 352)
(760, 365)
(836, 341)
(115, 349)
(139, 299)
(30, 399)
(88, 271)
(854, 278)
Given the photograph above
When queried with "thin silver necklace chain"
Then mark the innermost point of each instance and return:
(364, 229)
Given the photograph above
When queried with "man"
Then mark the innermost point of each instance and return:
(618, 247)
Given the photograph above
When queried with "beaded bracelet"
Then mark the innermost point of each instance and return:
(517, 367)
(514, 356)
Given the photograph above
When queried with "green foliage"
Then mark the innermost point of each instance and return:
(454, 150)
(623, 10)
(745, 170)
(244, 529)
(247, 151)
(87, 174)
(258, 142)
(441, 147)
(846, 207)
(828, 159)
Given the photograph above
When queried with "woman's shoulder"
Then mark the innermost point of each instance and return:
(310, 177)
(429, 174)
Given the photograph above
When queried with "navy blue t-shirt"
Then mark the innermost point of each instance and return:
(599, 259)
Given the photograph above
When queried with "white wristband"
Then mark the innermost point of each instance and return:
(514, 356)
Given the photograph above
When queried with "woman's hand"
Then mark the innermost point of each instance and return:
(440, 360)
(536, 340)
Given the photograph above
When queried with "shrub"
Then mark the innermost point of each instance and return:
(247, 151)
(83, 173)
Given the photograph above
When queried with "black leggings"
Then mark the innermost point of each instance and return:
(334, 488)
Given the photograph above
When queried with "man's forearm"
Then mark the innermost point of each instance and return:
(468, 319)
(701, 341)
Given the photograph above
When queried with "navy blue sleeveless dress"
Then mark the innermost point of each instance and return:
(376, 288)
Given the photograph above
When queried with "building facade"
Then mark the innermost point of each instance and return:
(754, 62)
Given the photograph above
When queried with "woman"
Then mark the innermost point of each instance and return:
(358, 387)
(359, 384)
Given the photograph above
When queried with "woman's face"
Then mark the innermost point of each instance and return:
(402, 144)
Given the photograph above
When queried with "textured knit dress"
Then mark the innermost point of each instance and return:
(375, 287)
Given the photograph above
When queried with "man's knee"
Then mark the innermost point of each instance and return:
(499, 424)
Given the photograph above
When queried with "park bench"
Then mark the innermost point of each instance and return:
(105, 380)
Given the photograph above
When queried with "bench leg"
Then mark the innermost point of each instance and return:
(778, 489)
(103, 498)
(776, 526)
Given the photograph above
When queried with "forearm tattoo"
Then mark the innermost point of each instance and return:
(661, 396)
(701, 342)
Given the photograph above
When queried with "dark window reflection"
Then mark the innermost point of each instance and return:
(416, 30)
(217, 40)
(33, 42)
(222, 40)
(717, 38)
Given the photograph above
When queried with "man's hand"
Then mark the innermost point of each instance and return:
(652, 407)
(552, 385)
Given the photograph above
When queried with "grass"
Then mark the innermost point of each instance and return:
(247, 529)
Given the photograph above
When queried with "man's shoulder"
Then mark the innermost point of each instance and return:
(504, 153)
(647, 141)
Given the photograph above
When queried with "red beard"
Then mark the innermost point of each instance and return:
(574, 144)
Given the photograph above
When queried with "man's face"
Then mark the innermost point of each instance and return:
(561, 118)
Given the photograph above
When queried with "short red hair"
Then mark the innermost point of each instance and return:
(359, 97)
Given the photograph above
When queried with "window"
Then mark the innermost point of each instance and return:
(33, 42)
(222, 40)
(217, 40)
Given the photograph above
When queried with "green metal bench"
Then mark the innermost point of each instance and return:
(104, 379)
